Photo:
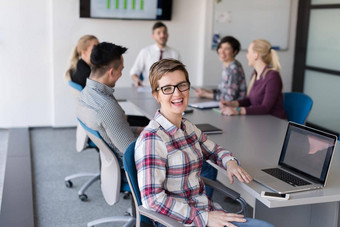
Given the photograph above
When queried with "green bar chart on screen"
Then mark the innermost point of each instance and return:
(126, 9)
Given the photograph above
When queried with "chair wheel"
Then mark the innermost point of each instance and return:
(83, 197)
(68, 184)
(126, 195)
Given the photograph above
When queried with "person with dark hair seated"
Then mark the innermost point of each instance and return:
(97, 106)
(233, 82)
(169, 154)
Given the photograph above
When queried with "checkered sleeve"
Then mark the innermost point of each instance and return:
(151, 163)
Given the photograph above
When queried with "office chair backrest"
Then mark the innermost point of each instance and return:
(297, 106)
(77, 88)
(82, 140)
(110, 174)
(130, 169)
(74, 85)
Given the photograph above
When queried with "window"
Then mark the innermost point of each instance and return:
(317, 61)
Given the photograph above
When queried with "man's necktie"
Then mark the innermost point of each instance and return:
(161, 55)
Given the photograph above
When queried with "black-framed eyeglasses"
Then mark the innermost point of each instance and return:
(170, 89)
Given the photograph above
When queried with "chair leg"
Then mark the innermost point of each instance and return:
(88, 184)
(129, 221)
(81, 192)
(128, 212)
(73, 176)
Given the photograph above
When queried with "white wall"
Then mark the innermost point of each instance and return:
(36, 39)
(212, 65)
(184, 28)
(25, 66)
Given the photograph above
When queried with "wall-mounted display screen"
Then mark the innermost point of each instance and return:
(126, 9)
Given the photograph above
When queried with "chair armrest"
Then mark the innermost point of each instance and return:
(165, 220)
(228, 192)
(221, 188)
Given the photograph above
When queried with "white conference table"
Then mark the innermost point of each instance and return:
(256, 141)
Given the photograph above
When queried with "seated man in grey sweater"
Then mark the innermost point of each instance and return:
(97, 107)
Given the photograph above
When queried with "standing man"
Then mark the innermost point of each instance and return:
(97, 107)
(150, 54)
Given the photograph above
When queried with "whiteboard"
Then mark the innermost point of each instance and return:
(247, 20)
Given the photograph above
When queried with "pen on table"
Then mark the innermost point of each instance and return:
(217, 110)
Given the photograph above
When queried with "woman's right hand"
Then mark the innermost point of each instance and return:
(203, 93)
(199, 92)
(220, 219)
(224, 103)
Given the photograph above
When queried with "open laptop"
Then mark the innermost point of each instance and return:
(304, 161)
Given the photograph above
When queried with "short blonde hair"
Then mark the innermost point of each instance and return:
(161, 67)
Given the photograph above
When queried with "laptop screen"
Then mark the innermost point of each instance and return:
(307, 151)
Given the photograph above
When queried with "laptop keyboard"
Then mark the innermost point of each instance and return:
(286, 177)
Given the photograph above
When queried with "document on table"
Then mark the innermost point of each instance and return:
(130, 108)
(144, 89)
(204, 105)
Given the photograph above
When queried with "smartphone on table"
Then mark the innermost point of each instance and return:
(274, 195)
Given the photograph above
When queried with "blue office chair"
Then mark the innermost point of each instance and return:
(76, 86)
(297, 106)
(144, 215)
(111, 182)
(82, 143)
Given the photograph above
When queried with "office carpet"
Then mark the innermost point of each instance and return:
(54, 156)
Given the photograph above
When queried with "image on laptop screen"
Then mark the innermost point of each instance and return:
(307, 152)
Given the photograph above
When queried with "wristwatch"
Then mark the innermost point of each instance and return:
(232, 159)
(238, 109)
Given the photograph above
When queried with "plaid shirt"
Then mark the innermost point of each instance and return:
(168, 161)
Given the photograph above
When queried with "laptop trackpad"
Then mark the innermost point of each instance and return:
(273, 183)
(266, 179)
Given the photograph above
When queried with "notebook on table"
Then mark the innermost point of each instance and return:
(209, 129)
(204, 105)
(304, 161)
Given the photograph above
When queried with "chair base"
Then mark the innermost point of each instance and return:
(129, 221)
(84, 187)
